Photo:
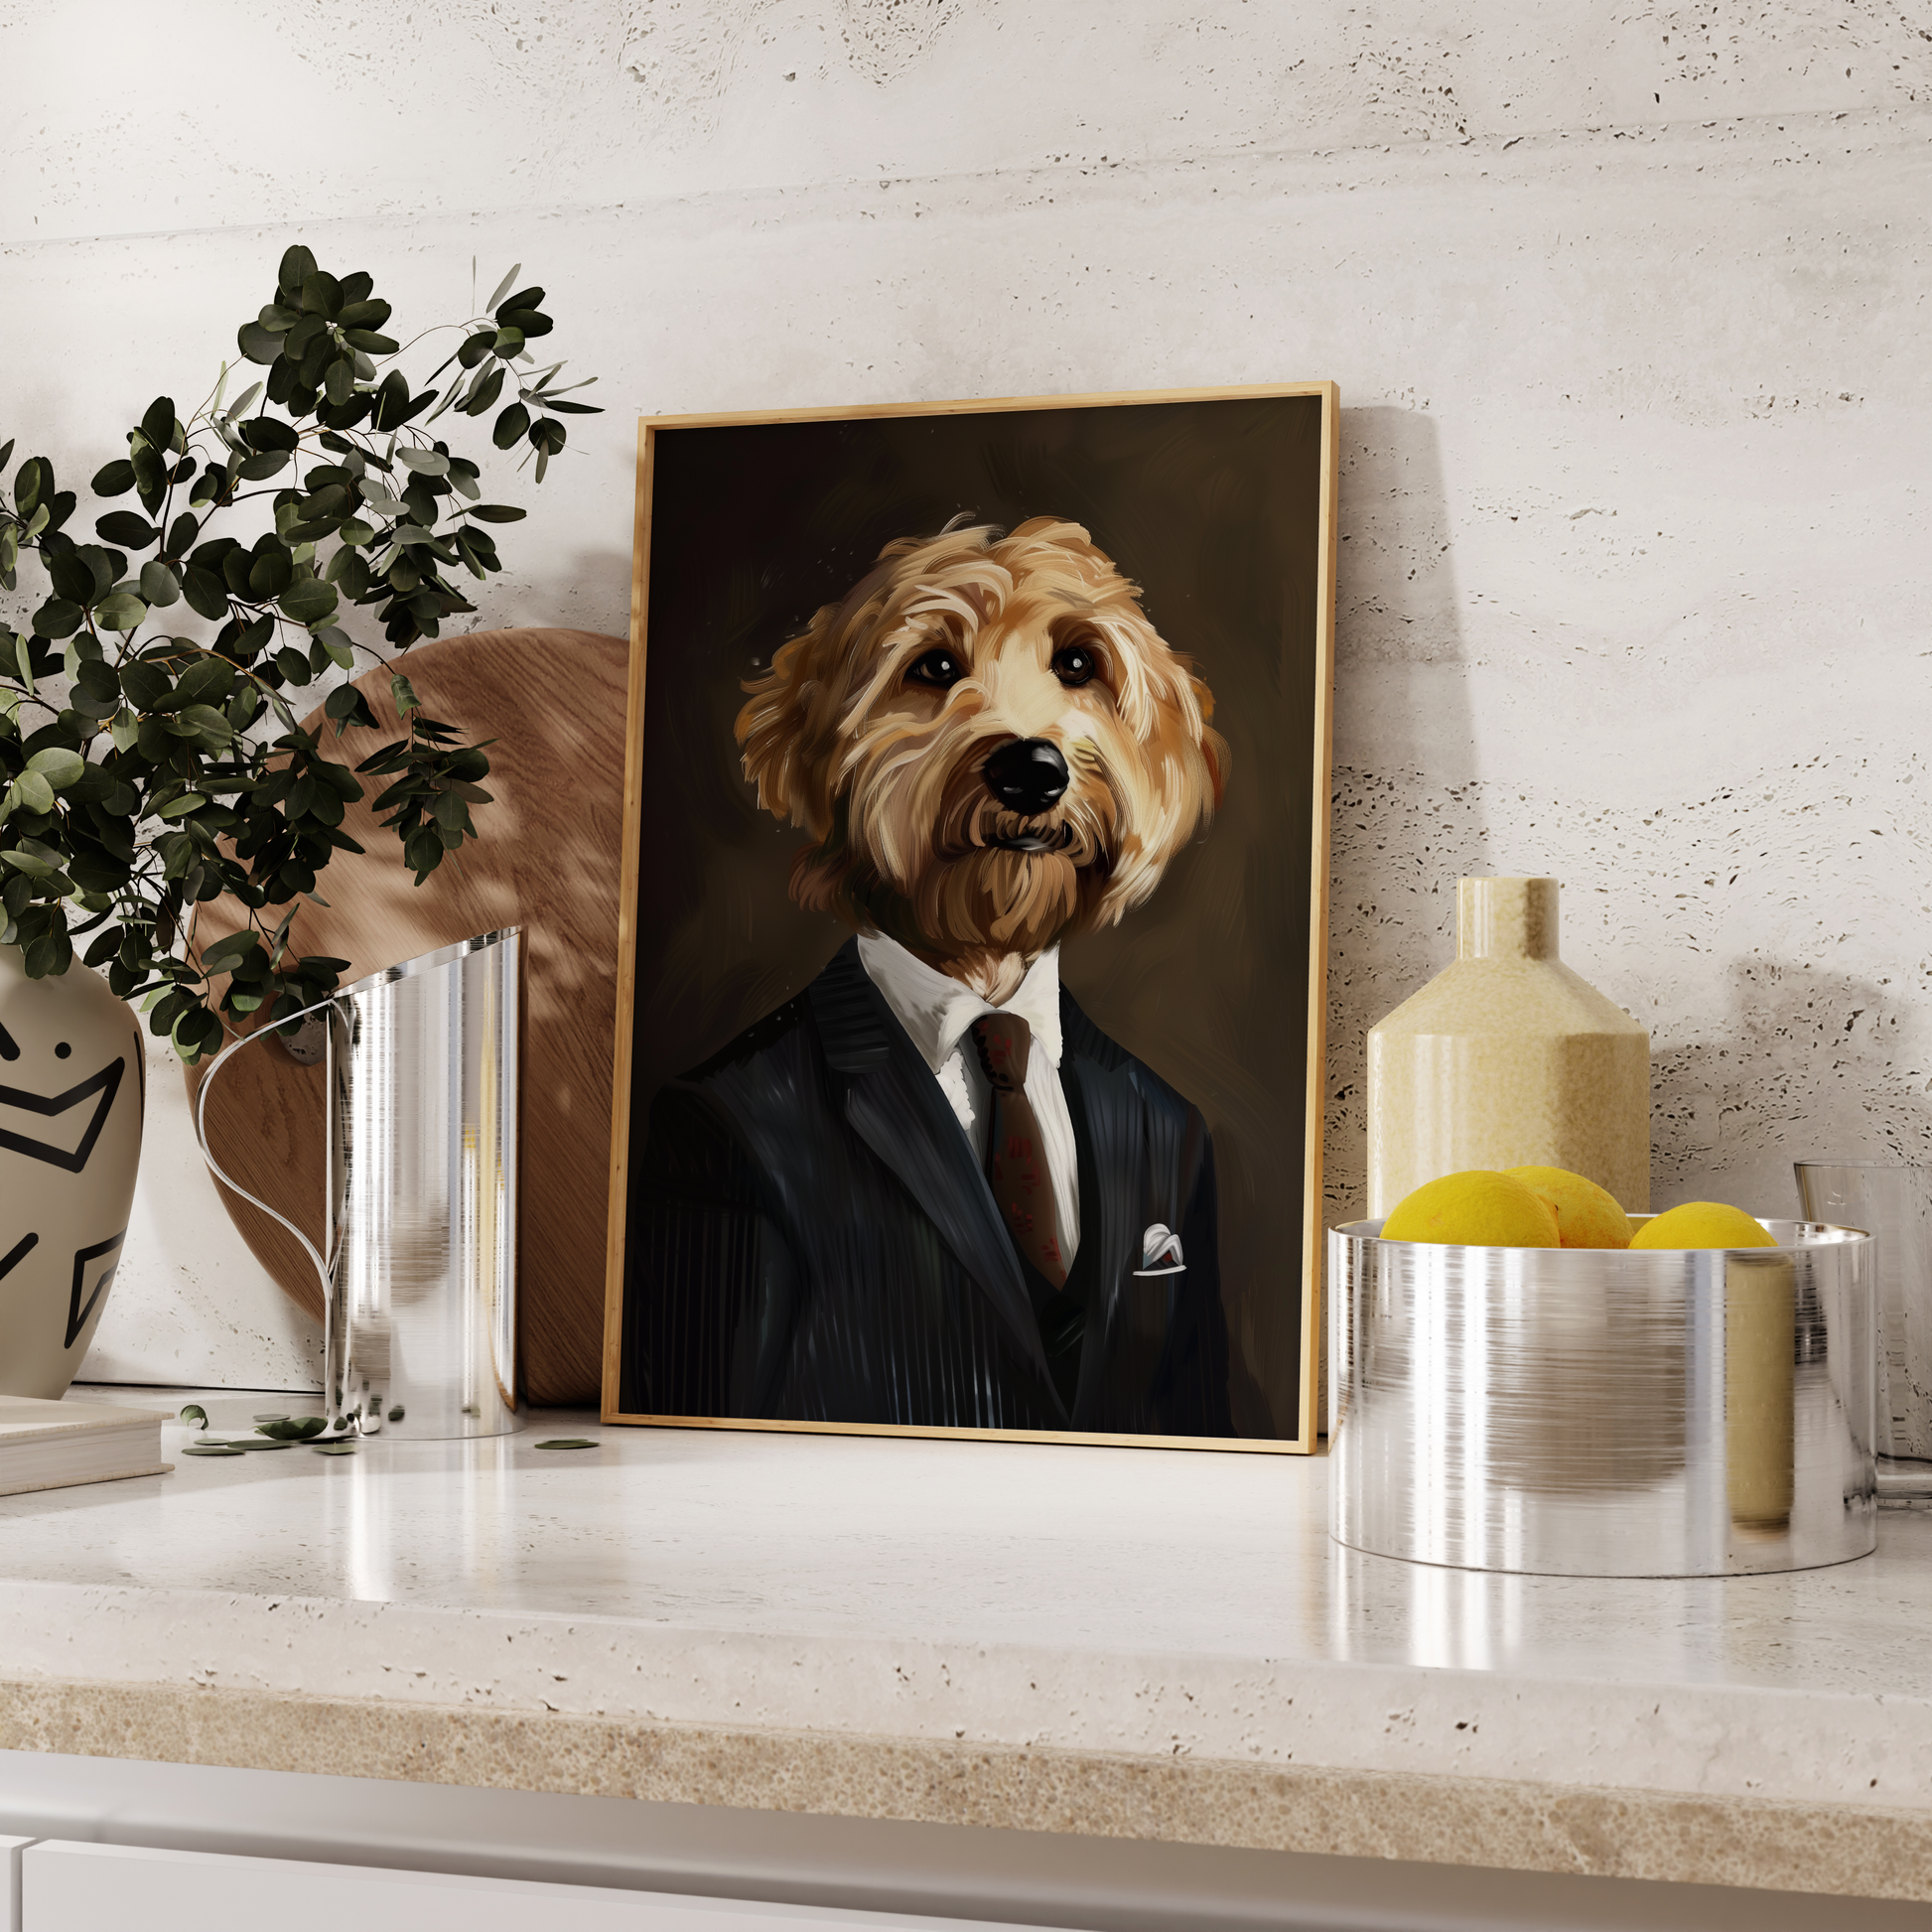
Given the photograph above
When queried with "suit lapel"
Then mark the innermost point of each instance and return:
(1108, 1128)
(894, 1105)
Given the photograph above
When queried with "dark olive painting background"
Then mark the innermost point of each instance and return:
(1212, 508)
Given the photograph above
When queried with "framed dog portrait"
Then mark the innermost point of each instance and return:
(974, 921)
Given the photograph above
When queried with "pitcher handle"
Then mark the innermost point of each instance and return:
(325, 1270)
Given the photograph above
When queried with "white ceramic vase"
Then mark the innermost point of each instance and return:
(73, 1079)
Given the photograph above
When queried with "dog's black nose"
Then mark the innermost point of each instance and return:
(1027, 777)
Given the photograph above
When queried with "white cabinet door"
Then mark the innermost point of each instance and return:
(10, 1851)
(68, 1886)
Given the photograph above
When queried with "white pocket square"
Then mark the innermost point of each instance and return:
(1161, 1252)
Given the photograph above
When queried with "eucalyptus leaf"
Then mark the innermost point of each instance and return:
(123, 610)
(297, 265)
(221, 957)
(269, 433)
(208, 724)
(294, 1428)
(33, 791)
(259, 344)
(96, 677)
(486, 395)
(205, 593)
(271, 571)
(58, 765)
(525, 319)
(308, 602)
(71, 579)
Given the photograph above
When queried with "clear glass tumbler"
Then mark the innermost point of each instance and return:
(1892, 1202)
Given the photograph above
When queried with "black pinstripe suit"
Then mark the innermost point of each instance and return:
(812, 1239)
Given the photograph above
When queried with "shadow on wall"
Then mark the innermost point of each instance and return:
(1808, 1066)
(587, 590)
(1406, 814)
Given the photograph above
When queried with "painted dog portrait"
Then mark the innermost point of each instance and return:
(928, 1179)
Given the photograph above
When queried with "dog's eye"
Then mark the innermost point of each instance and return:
(935, 667)
(1074, 665)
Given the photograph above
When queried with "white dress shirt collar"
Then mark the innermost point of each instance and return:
(936, 1011)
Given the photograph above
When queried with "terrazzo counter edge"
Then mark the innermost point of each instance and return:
(899, 1743)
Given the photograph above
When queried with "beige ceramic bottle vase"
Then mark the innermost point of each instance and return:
(1508, 1059)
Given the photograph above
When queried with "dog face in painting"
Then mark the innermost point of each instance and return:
(987, 744)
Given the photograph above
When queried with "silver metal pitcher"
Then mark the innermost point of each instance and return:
(419, 1283)
(1892, 1202)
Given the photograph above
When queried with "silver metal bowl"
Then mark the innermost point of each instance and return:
(1586, 1412)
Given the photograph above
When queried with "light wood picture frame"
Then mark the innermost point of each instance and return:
(828, 874)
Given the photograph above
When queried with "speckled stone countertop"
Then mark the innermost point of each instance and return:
(1148, 1644)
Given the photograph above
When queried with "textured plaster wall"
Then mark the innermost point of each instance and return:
(1628, 308)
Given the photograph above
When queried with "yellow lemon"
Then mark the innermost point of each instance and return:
(1587, 1215)
(1476, 1209)
(1703, 1224)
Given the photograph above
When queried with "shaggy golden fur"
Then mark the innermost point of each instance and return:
(846, 738)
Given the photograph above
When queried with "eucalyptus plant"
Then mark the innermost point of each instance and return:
(150, 764)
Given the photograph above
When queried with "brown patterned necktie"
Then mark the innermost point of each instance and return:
(1016, 1156)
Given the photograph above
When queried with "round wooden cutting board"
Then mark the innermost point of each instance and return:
(546, 860)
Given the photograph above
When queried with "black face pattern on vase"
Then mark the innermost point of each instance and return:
(106, 1083)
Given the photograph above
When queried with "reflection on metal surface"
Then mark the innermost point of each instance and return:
(1893, 1204)
(420, 1282)
(1604, 1413)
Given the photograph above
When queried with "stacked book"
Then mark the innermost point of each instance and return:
(49, 1444)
